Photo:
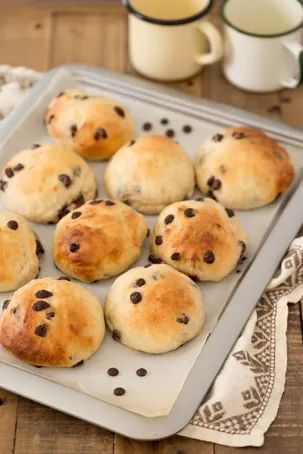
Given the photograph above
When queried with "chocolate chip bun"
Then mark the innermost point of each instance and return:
(19, 252)
(45, 183)
(150, 173)
(52, 323)
(95, 126)
(98, 240)
(199, 238)
(154, 309)
(243, 168)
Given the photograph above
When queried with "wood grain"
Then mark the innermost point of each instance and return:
(8, 421)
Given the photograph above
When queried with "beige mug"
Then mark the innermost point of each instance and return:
(171, 39)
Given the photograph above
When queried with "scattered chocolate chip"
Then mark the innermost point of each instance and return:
(119, 391)
(40, 306)
(35, 145)
(79, 363)
(5, 304)
(119, 111)
(79, 201)
(140, 282)
(135, 297)
(131, 143)
(109, 203)
(154, 259)
(60, 94)
(189, 213)
(61, 213)
(13, 225)
(183, 319)
(41, 294)
(218, 138)
(243, 246)
(18, 167)
(213, 183)
(112, 372)
(187, 129)
(9, 172)
(74, 247)
(76, 214)
(238, 271)
(169, 219)
(95, 202)
(50, 118)
(216, 185)
(147, 233)
(176, 256)
(73, 130)
(141, 372)
(100, 133)
(50, 315)
(158, 240)
(209, 257)
(3, 185)
(147, 126)
(65, 179)
(41, 330)
(14, 310)
(170, 133)
(116, 335)
(230, 212)
(238, 135)
(64, 278)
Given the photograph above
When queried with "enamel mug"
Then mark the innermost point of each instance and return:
(263, 50)
(171, 39)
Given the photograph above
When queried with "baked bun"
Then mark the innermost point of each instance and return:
(99, 240)
(243, 168)
(150, 173)
(154, 309)
(19, 252)
(45, 183)
(198, 238)
(52, 323)
(95, 126)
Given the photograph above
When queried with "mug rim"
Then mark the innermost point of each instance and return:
(153, 20)
(258, 35)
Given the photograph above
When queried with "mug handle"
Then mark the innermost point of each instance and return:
(215, 41)
(296, 50)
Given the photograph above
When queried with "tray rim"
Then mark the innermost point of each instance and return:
(102, 413)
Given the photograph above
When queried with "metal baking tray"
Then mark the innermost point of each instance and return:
(249, 289)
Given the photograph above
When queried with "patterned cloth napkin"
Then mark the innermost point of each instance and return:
(245, 396)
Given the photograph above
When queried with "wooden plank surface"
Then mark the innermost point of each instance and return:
(41, 34)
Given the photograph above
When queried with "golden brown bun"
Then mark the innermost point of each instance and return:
(95, 126)
(61, 329)
(243, 168)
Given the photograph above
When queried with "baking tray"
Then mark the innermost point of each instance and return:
(250, 287)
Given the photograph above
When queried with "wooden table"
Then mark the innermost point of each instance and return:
(46, 33)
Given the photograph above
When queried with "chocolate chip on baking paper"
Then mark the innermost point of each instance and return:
(18, 167)
(169, 219)
(79, 363)
(73, 130)
(238, 135)
(209, 257)
(187, 129)
(5, 304)
(230, 212)
(116, 335)
(41, 330)
(13, 225)
(140, 282)
(3, 185)
(79, 201)
(64, 278)
(100, 133)
(164, 121)
(141, 372)
(131, 143)
(76, 214)
(40, 305)
(189, 213)
(95, 202)
(74, 247)
(62, 212)
(218, 138)
(158, 240)
(65, 179)
(9, 172)
(176, 256)
(35, 145)
(135, 297)
(119, 391)
(147, 126)
(154, 260)
(147, 233)
(50, 315)
(41, 294)
(112, 372)
(109, 202)
(183, 319)
(119, 111)
(50, 118)
(170, 133)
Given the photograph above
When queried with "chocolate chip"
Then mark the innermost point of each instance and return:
(238, 135)
(131, 143)
(64, 278)
(5, 304)
(18, 167)
(14, 310)
(183, 319)
(13, 225)
(147, 126)
(147, 233)
(135, 297)
(65, 179)
(141, 372)
(119, 391)
(35, 145)
(109, 202)
(158, 240)
(76, 214)
(50, 315)
(50, 118)
(79, 363)
(73, 130)
(170, 133)
(187, 129)
(209, 257)
(169, 219)
(41, 294)
(100, 133)
(230, 212)
(79, 201)
(176, 256)
(189, 213)
(218, 138)
(113, 372)
(74, 247)
(154, 259)
(243, 246)
(9, 172)
(210, 181)
(3, 185)
(164, 121)
(119, 111)
(95, 202)
(116, 335)
(140, 282)
(214, 183)
(60, 94)
(40, 306)
(41, 330)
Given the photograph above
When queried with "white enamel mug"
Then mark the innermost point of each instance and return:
(263, 50)
(171, 39)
